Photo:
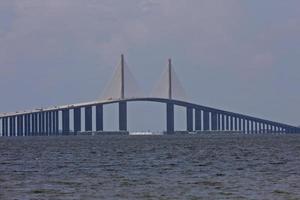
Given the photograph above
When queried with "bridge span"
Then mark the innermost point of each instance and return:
(58, 120)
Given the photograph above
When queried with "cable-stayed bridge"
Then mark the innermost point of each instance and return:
(123, 89)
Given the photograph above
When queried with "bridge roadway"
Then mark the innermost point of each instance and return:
(56, 120)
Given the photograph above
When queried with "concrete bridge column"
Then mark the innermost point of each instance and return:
(170, 118)
(269, 128)
(205, 120)
(20, 125)
(88, 118)
(282, 129)
(214, 124)
(46, 117)
(47, 126)
(53, 122)
(34, 124)
(265, 128)
(40, 123)
(189, 119)
(252, 127)
(52, 118)
(11, 126)
(65, 122)
(231, 123)
(244, 125)
(26, 125)
(123, 115)
(198, 120)
(272, 128)
(260, 127)
(219, 121)
(227, 122)
(99, 117)
(48, 123)
(4, 126)
(48, 129)
(223, 122)
(248, 126)
(56, 122)
(77, 120)
(235, 123)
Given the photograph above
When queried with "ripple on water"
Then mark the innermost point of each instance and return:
(161, 167)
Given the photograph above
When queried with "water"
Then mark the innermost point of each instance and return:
(150, 167)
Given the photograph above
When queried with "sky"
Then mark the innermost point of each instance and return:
(240, 56)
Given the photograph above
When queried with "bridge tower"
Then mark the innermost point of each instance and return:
(121, 87)
(170, 105)
(122, 104)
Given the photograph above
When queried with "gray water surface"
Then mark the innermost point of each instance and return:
(150, 167)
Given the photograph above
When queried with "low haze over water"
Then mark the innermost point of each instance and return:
(150, 167)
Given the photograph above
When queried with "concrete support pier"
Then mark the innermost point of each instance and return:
(65, 122)
(99, 118)
(77, 120)
(88, 118)
(170, 118)
(198, 120)
(189, 119)
(123, 116)
(205, 120)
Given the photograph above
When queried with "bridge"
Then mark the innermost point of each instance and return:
(123, 90)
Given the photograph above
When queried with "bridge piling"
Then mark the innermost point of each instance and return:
(123, 116)
(65, 122)
(3, 126)
(88, 118)
(56, 122)
(231, 122)
(77, 120)
(170, 118)
(205, 120)
(228, 122)
(218, 122)
(223, 122)
(214, 121)
(189, 119)
(198, 120)
(10, 126)
(99, 117)
(53, 123)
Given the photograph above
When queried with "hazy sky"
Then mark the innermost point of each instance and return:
(237, 55)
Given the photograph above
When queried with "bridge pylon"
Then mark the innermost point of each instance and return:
(123, 85)
(169, 85)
